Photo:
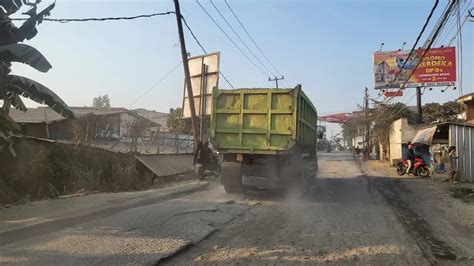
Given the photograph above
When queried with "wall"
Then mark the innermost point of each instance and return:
(470, 110)
(125, 121)
(358, 141)
(400, 132)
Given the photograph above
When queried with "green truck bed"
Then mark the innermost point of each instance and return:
(262, 121)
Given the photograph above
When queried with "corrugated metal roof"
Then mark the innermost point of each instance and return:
(35, 115)
(42, 114)
(167, 164)
(157, 117)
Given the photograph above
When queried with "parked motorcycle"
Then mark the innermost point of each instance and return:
(213, 167)
(419, 167)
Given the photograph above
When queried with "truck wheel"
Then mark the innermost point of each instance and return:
(231, 178)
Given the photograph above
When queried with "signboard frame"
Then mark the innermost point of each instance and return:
(204, 74)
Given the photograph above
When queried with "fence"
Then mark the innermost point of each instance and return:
(462, 136)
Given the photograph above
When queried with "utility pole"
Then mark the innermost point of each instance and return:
(418, 105)
(276, 80)
(367, 125)
(189, 88)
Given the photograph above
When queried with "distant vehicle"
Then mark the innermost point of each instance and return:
(268, 138)
(419, 167)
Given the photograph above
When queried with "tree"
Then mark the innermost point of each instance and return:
(380, 118)
(101, 101)
(439, 113)
(174, 122)
(13, 86)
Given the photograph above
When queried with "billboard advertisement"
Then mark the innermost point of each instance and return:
(204, 72)
(438, 68)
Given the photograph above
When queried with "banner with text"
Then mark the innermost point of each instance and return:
(438, 68)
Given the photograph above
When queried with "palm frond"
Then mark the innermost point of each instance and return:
(26, 54)
(39, 93)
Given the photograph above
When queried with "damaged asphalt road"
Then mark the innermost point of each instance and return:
(347, 219)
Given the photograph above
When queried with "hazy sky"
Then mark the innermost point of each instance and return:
(326, 46)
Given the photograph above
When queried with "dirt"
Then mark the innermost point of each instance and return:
(465, 194)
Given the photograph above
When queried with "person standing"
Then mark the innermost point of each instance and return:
(454, 172)
(410, 157)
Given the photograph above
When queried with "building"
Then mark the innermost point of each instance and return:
(468, 101)
(434, 141)
(401, 133)
(93, 123)
(158, 117)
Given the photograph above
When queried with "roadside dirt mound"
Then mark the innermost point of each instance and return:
(44, 169)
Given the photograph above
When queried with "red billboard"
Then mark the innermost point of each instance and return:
(438, 68)
(336, 118)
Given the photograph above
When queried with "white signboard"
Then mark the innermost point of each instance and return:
(204, 72)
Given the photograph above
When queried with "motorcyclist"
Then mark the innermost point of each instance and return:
(203, 154)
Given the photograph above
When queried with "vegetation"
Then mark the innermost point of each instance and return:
(13, 86)
(174, 122)
(438, 113)
(101, 101)
(380, 119)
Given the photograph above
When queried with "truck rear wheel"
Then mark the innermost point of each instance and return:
(232, 178)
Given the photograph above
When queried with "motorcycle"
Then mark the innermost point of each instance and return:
(419, 167)
(213, 168)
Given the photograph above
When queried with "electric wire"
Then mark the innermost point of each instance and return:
(452, 25)
(242, 41)
(254, 42)
(154, 85)
(203, 49)
(231, 40)
(66, 20)
(416, 41)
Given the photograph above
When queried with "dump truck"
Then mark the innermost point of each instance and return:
(268, 138)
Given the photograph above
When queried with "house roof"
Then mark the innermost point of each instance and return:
(98, 111)
(157, 117)
(43, 114)
(35, 115)
(467, 97)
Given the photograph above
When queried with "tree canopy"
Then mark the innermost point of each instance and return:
(101, 101)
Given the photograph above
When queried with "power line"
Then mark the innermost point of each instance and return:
(416, 42)
(156, 84)
(66, 20)
(460, 48)
(458, 32)
(231, 40)
(451, 24)
(238, 36)
(204, 50)
(253, 41)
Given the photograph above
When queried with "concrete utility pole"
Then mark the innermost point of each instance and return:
(367, 125)
(418, 105)
(276, 80)
(189, 88)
